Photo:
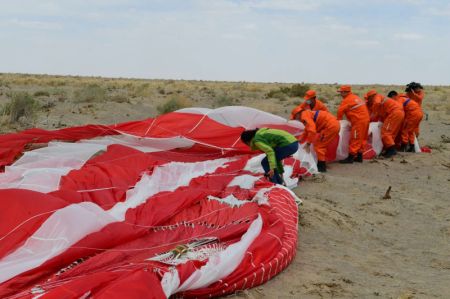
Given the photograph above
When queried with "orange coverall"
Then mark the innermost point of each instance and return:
(374, 103)
(357, 114)
(417, 96)
(413, 117)
(391, 113)
(322, 123)
(319, 105)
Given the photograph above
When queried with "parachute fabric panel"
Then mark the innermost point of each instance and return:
(144, 209)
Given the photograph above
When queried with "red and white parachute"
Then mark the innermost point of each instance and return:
(146, 209)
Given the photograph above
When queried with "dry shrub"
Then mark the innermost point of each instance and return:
(175, 102)
(22, 105)
(223, 100)
(90, 93)
(119, 98)
(41, 93)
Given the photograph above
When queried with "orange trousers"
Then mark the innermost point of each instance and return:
(358, 137)
(326, 136)
(391, 127)
(411, 126)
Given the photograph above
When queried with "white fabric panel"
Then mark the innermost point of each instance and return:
(416, 145)
(170, 282)
(240, 116)
(244, 181)
(167, 177)
(344, 139)
(41, 169)
(68, 225)
(229, 200)
(375, 136)
(224, 262)
(143, 144)
(62, 229)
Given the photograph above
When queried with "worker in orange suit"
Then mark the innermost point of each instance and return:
(373, 99)
(415, 92)
(357, 114)
(321, 128)
(391, 113)
(413, 117)
(311, 103)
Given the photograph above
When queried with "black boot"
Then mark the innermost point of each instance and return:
(321, 166)
(391, 151)
(411, 148)
(359, 158)
(403, 147)
(348, 160)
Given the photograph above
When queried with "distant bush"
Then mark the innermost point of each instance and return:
(140, 90)
(223, 101)
(296, 90)
(174, 103)
(299, 90)
(90, 93)
(21, 105)
(277, 94)
(119, 98)
(41, 93)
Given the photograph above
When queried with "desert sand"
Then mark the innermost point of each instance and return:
(352, 242)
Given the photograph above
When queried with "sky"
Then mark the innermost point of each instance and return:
(314, 41)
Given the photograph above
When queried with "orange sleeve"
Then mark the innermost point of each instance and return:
(321, 106)
(296, 110)
(342, 109)
(310, 132)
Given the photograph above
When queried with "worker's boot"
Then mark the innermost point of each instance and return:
(411, 148)
(403, 147)
(391, 151)
(321, 166)
(348, 160)
(359, 158)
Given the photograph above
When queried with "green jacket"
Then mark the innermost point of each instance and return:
(267, 139)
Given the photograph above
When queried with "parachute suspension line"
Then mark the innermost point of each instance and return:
(245, 219)
(151, 125)
(198, 123)
(38, 215)
(237, 140)
(25, 221)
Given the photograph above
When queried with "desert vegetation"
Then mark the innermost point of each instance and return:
(57, 101)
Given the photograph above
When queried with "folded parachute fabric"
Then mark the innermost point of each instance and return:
(174, 205)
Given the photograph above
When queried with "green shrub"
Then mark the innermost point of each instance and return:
(299, 90)
(174, 103)
(90, 93)
(119, 98)
(22, 104)
(41, 93)
(277, 94)
(296, 90)
(223, 100)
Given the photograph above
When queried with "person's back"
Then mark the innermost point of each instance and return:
(325, 120)
(276, 144)
(409, 106)
(389, 106)
(354, 109)
(273, 137)
(321, 127)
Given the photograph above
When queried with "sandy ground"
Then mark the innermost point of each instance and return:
(352, 243)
